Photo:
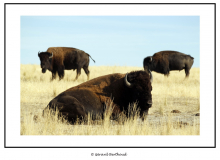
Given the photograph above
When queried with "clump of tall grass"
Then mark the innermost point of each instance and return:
(51, 123)
(127, 123)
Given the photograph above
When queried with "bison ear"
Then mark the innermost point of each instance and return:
(39, 54)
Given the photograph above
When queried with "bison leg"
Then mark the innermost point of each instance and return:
(77, 112)
(78, 72)
(53, 75)
(86, 71)
(166, 72)
(61, 72)
(69, 108)
(187, 72)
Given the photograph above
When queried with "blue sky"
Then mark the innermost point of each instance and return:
(111, 40)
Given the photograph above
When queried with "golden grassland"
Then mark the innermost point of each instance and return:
(169, 93)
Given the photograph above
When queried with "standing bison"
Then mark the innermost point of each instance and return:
(166, 61)
(57, 59)
(91, 96)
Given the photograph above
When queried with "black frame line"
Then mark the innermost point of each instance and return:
(110, 4)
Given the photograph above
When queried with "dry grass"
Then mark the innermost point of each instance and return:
(172, 93)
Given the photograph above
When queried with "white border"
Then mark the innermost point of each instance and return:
(13, 13)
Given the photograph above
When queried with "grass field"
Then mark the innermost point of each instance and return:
(169, 94)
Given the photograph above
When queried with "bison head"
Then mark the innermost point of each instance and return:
(148, 64)
(45, 60)
(139, 83)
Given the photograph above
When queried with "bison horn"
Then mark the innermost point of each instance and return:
(128, 84)
(150, 59)
(51, 55)
(151, 77)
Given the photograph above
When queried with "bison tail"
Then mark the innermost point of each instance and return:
(91, 58)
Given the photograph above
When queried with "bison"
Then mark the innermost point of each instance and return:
(91, 96)
(57, 59)
(166, 61)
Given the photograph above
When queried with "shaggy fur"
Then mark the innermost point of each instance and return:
(166, 61)
(64, 59)
(91, 96)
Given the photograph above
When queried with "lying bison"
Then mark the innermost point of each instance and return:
(166, 61)
(91, 96)
(57, 59)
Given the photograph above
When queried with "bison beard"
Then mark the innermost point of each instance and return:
(43, 70)
(91, 96)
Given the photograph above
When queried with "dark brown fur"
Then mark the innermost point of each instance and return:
(64, 58)
(91, 96)
(166, 61)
